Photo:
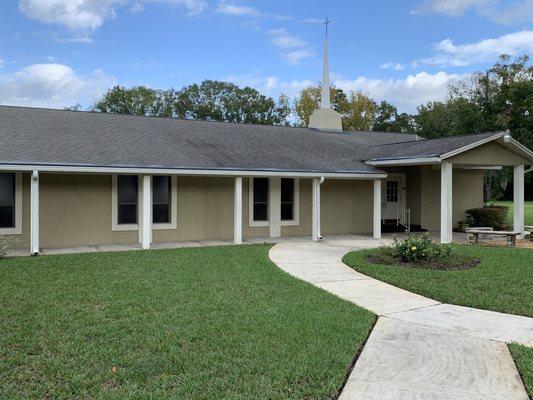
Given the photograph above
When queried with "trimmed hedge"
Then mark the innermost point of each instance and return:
(493, 216)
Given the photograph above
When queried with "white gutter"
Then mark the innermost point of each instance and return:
(190, 172)
(406, 161)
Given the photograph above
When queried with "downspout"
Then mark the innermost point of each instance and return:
(319, 233)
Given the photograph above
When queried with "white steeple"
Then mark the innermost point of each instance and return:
(326, 118)
(325, 103)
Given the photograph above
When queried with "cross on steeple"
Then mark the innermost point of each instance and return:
(327, 24)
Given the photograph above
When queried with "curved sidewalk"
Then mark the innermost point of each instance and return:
(420, 348)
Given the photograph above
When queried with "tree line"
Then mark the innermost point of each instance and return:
(499, 98)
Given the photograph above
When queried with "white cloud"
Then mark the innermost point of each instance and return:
(392, 65)
(297, 56)
(405, 93)
(137, 8)
(91, 14)
(2, 62)
(497, 10)
(312, 21)
(294, 49)
(74, 14)
(452, 7)
(280, 38)
(448, 53)
(52, 85)
(234, 9)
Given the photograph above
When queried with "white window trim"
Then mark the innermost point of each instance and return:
(17, 229)
(115, 226)
(254, 224)
(251, 222)
(173, 224)
(296, 212)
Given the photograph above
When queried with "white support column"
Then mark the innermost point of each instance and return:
(145, 219)
(316, 209)
(34, 214)
(237, 212)
(377, 209)
(446, 203)
(274, 207)
(518, 200)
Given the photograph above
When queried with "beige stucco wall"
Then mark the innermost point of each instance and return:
(467, 187)
(491, 153)
(76, 209)
(346, 207)
(205, 210)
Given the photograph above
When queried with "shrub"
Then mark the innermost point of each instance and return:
(419, 248)
(493, 216)
(6, 243)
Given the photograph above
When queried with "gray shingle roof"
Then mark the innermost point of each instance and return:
(37, 136)
(55, 137)
(423, 148)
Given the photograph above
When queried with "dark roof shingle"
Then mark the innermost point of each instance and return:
(56, 137)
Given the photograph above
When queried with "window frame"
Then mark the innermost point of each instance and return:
(173, 224)
(17, 229)
(296, 211)
(296, 206)
(252, 222)
(115, 226)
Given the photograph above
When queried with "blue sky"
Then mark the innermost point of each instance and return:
(56, 53)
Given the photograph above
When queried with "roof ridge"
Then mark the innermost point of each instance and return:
(439, 138)
(157, 117)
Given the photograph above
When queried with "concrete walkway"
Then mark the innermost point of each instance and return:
(419, 348)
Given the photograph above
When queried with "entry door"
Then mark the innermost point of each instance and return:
(392, 196)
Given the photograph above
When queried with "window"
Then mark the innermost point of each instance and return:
(260, 199)
(287, 199)
(286, 192)
(162, 199)
(7, 201)
(127, 199)
(392, 191)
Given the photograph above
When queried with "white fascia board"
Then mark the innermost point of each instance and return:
(472, 145)
(521, 147)
(191, 172)
(405, 161)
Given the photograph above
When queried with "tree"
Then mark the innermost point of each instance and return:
(309, 101)
(138, 100)
(387, 119)
(209, 101)
(358, 112)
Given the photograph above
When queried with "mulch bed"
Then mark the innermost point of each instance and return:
(452, 263)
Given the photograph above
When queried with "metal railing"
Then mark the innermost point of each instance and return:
(404, 218)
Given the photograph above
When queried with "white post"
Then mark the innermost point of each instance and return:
(518, 200)
(274, 207)
(34, 214)
(377, 209)
(146, 214)
(237, 212)
(316, 209)
(446, 203)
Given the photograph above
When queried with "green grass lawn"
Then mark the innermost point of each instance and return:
(528, 211)
(523, 357)
(503, 281)
(204, 323)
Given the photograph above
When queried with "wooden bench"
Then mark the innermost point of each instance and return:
(510, 235)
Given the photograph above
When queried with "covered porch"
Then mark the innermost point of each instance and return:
(438, 180)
